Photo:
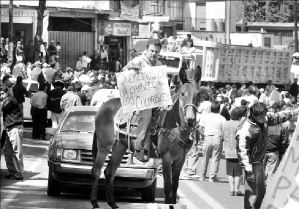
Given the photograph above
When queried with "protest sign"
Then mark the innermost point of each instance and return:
(144, 90)
(283, 190)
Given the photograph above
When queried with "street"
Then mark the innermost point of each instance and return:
(32, 192)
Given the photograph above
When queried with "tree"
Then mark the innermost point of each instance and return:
(39, 29)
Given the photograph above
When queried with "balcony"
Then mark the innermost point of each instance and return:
(203, 24)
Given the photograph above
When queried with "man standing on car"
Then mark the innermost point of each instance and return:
(147, 59)
(53, 102)
(13, 123)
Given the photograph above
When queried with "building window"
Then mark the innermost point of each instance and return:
(267, 42)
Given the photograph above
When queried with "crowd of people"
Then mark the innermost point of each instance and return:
(230, 117)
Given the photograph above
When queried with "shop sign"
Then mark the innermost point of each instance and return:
(129, 13)
(122, 29)
(19, 13)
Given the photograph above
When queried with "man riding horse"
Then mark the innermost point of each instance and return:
(148, 59)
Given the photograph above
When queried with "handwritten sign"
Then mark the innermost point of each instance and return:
(147, 89)
(122, 29)
(283, 191)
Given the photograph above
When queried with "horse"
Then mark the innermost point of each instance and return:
(173, 143)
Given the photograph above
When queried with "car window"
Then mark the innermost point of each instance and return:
(79, 121)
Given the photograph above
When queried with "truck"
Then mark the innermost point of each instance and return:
(222, 63)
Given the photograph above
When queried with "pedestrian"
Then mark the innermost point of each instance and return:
(43, 52)
(85, 60)
(211, 127)
(36, 71)
(233, 168)
(7, 82)
(52, 53)
(277, 144)
(53, 102)
(39, 113)
(251, 148)
(69, 99)
(29, 52)
(20, 92)
(294, 90)
(19, 68)
(13, 124)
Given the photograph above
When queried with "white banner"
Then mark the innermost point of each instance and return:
(147, 89)
(283, 191)
(129, 13)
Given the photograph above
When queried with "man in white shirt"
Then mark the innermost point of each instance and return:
(211, 126)
(85, 60)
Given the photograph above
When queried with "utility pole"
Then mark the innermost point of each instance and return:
(295, 26)
(10, 14)
(227, 20)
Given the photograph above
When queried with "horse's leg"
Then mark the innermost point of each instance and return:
(177, 166)
(167, 176)
(96, 173)
(118, 152)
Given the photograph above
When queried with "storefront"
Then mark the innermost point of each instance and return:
(24, 24)
(115, 39)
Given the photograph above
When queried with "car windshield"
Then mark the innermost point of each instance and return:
(82, 121)
(170, 61)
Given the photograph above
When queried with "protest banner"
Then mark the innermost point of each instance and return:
(283, 190)
(144, 90)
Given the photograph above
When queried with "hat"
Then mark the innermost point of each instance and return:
(59, 83)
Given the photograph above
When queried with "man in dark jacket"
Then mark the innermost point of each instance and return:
(53, 102)
(251, 147)
(294, 90)
(19, 92)
(13, 124)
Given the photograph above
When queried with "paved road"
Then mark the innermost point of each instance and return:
(32, 192)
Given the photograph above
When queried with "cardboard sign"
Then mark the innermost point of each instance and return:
(144, 90)
(283, 191)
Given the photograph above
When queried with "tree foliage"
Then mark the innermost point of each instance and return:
(269, 10)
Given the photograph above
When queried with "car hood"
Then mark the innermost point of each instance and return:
(77, 141)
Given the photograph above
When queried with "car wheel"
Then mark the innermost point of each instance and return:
(54, 187)
(149, 193)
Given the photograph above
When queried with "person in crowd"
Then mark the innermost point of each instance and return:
(83, 97)
(241, 91)
(95, 61)
(105, 65)
(205, 105)
(19, 50)
(13, 124)
(211, 127)
(69, 99)
(53, 102)
(269, 87)
(294, 90)
(173, 43)
(149, 58)
(58, 49)
(19, 92)
(225, 108)
(233, 168)
(49, 73)
(7, 82)
(36, 71)
(118, 66)
(52, 53)
(251, 148)
(39, 113)
(29, 52)
(79, 64)
(251, 96)
(187, 42)
(19, 68)
(85, 60)
(44, 52)
(277, 144)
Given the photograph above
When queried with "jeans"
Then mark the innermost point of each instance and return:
(13, 151)
(55, 117)
(142, 129)
(39, 122)
(212, 145)
(255, 191)
(271, 162)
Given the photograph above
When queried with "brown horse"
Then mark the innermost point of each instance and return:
(173, 143)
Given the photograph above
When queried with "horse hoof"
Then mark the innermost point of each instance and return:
(113, 205)
(95, 204)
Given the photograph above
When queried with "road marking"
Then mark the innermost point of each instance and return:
(204, 196)
(185, 201)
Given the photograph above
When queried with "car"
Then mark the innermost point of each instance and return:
(32, 87)
(70, 158)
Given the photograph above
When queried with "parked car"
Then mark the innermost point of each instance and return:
(70, 157)
(32, 87)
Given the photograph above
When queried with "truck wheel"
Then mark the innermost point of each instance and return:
(149, 193)
(54, 187)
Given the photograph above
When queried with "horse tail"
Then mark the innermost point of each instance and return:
(94, 146)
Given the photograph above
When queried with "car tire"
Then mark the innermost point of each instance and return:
(149, 193)
(54, 187)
